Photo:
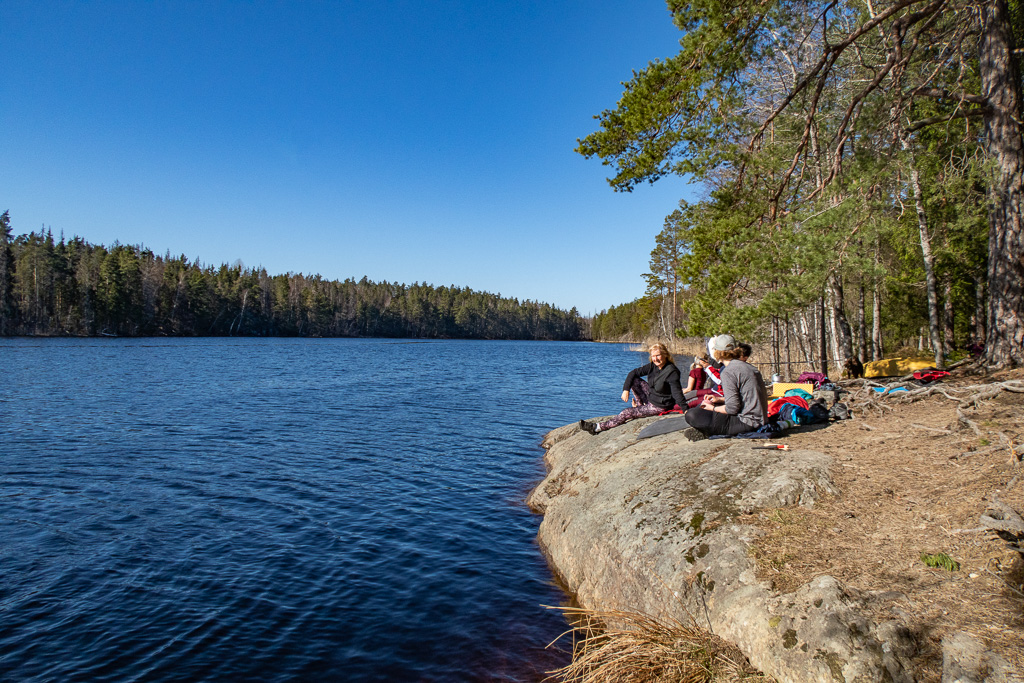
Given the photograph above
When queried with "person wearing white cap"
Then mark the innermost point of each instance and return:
(743, 406)
(711, 348)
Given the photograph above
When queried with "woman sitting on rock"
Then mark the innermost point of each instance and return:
(660, 392)
(743, 406)
(698, 373)
(703, 380)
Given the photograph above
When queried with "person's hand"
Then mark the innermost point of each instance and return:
(625, 395)
(708, 405)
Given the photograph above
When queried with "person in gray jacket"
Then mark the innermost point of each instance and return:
(743, 406)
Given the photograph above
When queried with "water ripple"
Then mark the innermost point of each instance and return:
(221, 509)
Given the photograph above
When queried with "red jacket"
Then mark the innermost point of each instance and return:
(776, 405)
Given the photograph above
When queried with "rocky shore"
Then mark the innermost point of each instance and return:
(670, 529)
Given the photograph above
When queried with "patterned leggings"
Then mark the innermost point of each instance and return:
(641, 390)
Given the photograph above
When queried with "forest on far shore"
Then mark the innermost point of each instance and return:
(74, 288)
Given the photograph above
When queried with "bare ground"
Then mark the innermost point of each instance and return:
(915, 478)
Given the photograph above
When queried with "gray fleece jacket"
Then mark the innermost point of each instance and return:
(745, 394)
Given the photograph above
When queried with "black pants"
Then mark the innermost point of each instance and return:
(713, 424)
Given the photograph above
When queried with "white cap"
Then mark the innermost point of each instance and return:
(723, 342)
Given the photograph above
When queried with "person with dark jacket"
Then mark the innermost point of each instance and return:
(660, 392)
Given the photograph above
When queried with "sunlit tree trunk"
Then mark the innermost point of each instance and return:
(789, 355)
(805, 333)
(842, 337)
(876, 312)
(930, 282)
(979, 311)
(947, 319)
(1000, 84)
(862, 335)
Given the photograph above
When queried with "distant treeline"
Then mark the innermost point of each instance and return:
(630, 321)
(72, 287)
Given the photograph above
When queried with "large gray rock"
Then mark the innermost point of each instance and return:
(966, 660)
(657, 526)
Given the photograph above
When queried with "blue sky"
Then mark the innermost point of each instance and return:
(407, 141)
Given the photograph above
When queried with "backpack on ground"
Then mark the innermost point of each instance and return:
(840, 411)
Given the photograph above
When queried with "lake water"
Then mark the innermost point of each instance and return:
(282, 509)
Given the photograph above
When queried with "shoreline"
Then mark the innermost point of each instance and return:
(710, 533)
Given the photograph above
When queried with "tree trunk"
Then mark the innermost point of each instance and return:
(979, 311)
(842, 337)
(876, 311)
(823, 337)
(949, 330)
(835, 352)
(803, 338)
(661, 314)
(930, 282)
(675, 293)
(1000, 85)
(775, 344)
(877, 350)
(789, 354)
(862, 334)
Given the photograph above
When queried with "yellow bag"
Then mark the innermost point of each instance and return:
(779, 389)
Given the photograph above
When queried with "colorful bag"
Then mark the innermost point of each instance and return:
(925, 376)
(815, 378)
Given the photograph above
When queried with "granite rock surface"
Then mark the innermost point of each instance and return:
(659, 526)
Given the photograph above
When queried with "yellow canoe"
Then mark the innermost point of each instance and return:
(896, 367)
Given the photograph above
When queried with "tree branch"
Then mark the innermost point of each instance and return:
(943, 94)
(924, 123)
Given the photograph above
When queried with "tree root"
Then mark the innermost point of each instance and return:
(1008, 443)
(975, 394)
(1006, 522)
(1001, 517)
(930, 429)
(967, 422)
(864, 400)
(980, 451)
(961, 363)
(864, 406)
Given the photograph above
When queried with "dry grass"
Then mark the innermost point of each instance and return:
(622, 647)
(914, 481)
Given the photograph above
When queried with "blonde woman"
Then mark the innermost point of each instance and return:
(660, 392)
(698, 373)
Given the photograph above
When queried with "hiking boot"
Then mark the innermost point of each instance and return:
(694, 434)
(587, 427)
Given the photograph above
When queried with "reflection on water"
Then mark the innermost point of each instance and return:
(281, 509)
